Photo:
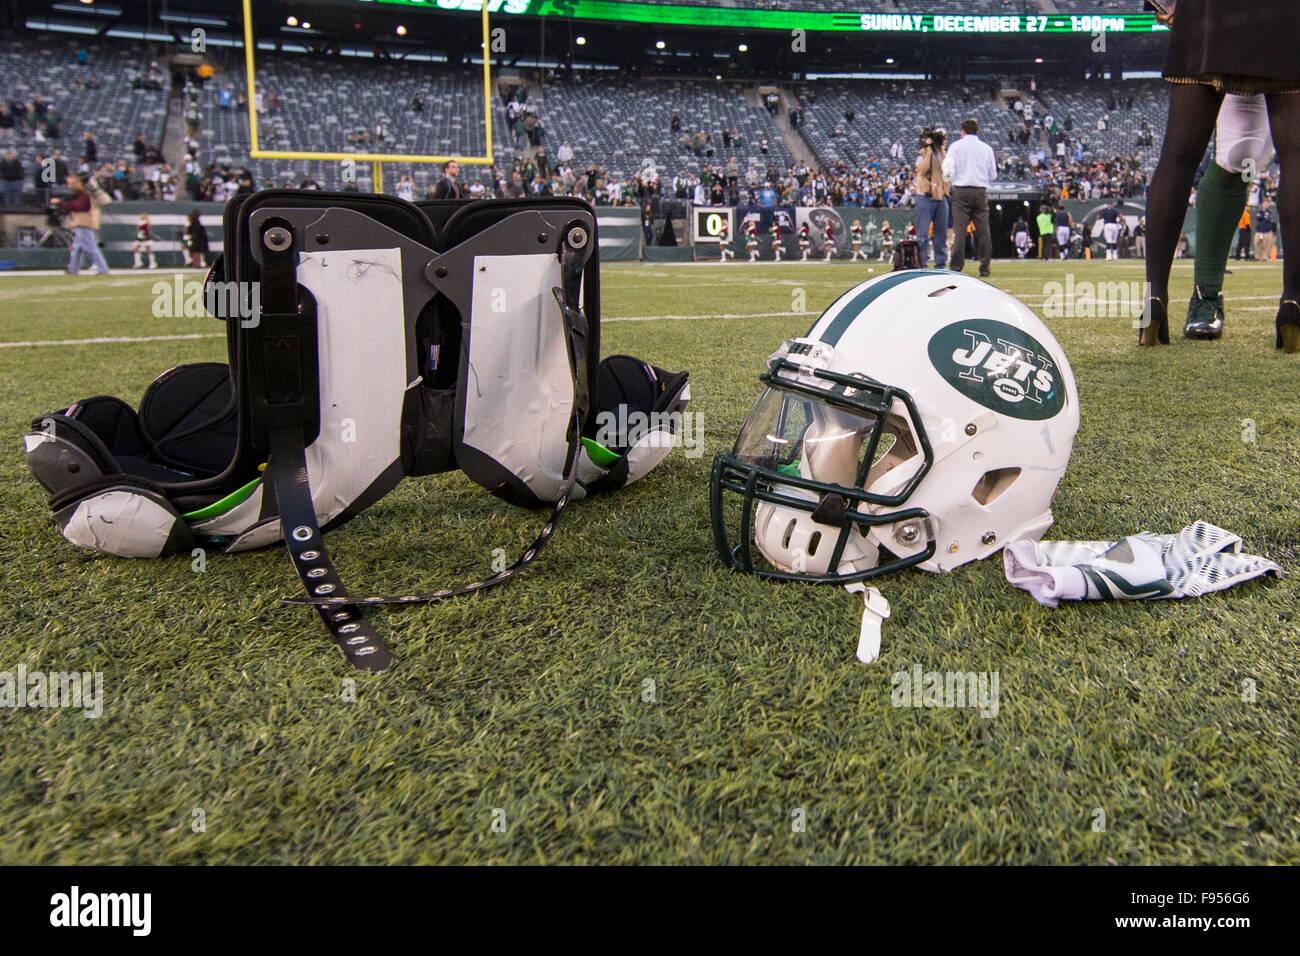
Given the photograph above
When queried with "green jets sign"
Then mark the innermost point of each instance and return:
(1000, 367)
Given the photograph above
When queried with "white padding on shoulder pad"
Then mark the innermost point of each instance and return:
(520, 394)
(258, 536)
(588, 470)
(121, 523)
(649, 453)
(361, 325)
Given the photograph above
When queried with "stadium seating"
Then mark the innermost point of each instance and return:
(322, 100)
(605, 120)
(1088, 103)
(889, 110)
(608, 119)
(625, 126)
(115, 112)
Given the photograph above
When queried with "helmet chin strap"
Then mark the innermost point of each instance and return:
(875, 610)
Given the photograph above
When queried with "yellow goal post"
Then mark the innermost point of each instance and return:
(256, 152)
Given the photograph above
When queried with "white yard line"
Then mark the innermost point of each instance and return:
(119, 272)
(724, 315)
(123, 338)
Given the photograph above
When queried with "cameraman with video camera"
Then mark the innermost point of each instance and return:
(931, 189)
(83, 208)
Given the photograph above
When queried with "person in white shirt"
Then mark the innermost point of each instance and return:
(970, 166)
(565, 155)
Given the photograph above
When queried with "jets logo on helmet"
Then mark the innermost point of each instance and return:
(1001, 367)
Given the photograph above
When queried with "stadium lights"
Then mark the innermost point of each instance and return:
(743, 48)
(401, 30)
(659, 44)
(581, 41)
(291, 21)
(1038, 59)
(889, 59)
(306, 25)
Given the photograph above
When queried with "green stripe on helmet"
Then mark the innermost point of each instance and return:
(840, 324)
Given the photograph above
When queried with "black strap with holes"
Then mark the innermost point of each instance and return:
(575, 327)
(352, 632)
(284, 418)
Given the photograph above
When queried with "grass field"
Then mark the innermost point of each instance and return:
(524, 705)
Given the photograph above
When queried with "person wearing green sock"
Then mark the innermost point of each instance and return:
(1215, 49)
(1243, 150)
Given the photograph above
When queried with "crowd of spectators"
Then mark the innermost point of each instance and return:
(1050, 153)
(38, 128)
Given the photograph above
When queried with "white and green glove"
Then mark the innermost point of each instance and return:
(1197, 560)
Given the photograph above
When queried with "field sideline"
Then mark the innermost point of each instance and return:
(765, 741)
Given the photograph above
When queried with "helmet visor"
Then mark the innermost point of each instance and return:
(847, 461)
(794, 435)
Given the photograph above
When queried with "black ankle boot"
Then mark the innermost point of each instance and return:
(1288, 326)
(1155, 323)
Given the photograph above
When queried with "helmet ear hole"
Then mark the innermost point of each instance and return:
(993, 484)
(813, 542)
(789, 531)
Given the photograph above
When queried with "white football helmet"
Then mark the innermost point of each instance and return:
(925, 419)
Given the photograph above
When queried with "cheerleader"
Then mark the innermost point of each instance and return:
(855, 232)
(751, 239)
(778, 247)
(724, 242)
(828, 240)
(886, 241)
(804, 242)
(143, 244)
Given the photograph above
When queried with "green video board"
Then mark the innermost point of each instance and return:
(733, 17)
